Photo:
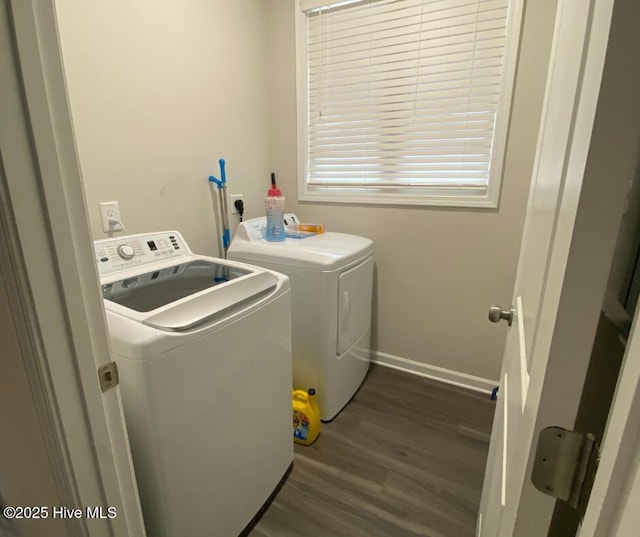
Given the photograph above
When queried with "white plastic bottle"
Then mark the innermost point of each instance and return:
(274, 207)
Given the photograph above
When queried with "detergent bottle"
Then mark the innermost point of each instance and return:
(306, 417)
(274, 207)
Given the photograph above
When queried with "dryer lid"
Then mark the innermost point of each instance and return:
(327, 251)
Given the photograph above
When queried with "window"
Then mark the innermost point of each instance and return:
(404, 101)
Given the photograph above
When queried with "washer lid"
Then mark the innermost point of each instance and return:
(327, 251)
(179, 297)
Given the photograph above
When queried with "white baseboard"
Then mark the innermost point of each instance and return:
(470, 382)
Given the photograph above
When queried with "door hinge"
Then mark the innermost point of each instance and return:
(108, 375)
(565, 465)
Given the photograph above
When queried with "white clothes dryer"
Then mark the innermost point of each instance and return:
(332, 282)
(203, 348)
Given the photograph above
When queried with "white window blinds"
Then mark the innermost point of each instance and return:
(403, 95)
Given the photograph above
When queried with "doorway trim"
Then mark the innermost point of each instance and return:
(53, 252)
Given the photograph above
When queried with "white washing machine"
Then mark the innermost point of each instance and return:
(332, 281)
(203, 347)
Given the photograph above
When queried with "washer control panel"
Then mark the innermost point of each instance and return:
(121, 253)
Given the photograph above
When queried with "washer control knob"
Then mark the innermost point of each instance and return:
(126, 252)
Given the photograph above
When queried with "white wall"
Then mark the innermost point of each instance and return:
(159, 91)
(438, 269)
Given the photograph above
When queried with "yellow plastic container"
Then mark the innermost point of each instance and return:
(311, 228)
(306, 417)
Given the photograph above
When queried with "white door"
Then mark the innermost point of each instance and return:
(587, 151)
(62, 326)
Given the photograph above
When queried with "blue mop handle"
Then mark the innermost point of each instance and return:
(223, 174)
(222, 182)
(222, 186)
(226, 234)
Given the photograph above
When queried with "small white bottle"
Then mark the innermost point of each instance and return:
(274, 207)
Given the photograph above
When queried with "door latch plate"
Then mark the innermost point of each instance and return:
(108, 375)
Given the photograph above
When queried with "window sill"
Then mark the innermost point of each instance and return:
(417, 200)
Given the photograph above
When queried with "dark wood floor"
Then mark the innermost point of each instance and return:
(406, 457)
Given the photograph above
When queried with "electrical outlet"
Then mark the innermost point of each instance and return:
(233, 199)
(108, 210)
